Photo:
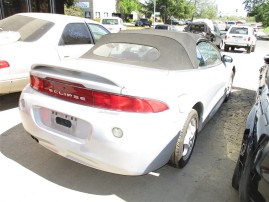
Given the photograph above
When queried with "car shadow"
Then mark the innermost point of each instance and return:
(207, 172)
(9, 101)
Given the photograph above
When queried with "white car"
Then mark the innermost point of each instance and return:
(132, 103)
(113, 24)
(27, 38)
(240, 36)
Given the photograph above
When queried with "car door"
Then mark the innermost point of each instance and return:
(263, 110)
(75, 40)
(214, 76)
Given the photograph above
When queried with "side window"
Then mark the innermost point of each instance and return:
(207, 55)
(97, 31)
(216, 29)
(75, 33)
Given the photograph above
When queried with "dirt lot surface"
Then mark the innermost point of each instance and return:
(229, 122)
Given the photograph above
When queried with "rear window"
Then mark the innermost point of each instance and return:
(239, 30)
(30, 29)
(110, 22)
(126, 51)
(197, 28)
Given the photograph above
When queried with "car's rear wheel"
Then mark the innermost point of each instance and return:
(236, 176)
(226, 48)
(186, 141)
(249, 49)
(253, 48)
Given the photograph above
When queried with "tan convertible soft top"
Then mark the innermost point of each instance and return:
(177, 49)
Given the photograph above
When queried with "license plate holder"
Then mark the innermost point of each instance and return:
(63, 122)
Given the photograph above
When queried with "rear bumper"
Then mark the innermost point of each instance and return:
(243, 45)
(147, 143)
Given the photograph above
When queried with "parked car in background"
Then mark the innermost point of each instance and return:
(113, 24)
(251, 174)
(168, 27)
(211, 33)
(174, 21)
(142, 22)
(221, 25)
(30, 37)
(240, 36)
(131, 89)
(254, 26)
(229, 24)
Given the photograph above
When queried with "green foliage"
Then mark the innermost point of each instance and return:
(170, 8)
(127, 6)
(258, 9)
(250, 19)
(266, 30)
(74, 11)
(183, 9)
(69, 3)
(251, 5)
(97, 19)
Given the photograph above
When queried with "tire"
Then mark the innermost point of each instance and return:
(249, 49)
(232, 48)
(253, 48)
(229, 90)
(213, 39)
(226, 48)
(244, 183)
(236, 176)
(186, 141)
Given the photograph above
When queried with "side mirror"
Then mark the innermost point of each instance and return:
(266, 59)
(226, 58)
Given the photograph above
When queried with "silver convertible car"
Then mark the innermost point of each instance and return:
(131, 104)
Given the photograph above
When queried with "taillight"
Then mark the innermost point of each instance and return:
(4, 64)
(75, 93)
(225, 37)
(248, 38)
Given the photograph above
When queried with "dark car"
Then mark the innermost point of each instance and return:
(204, 29)
(251, 174)
(167, 27)
(143, 22)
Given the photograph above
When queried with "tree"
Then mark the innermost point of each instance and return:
(184, 8)
(171, 8)
(258, 9)
(251, 5)
(69, 3)
(74, 11)
(127, 6)
(204, 9)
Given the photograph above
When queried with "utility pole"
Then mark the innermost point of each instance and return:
(154, 12)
